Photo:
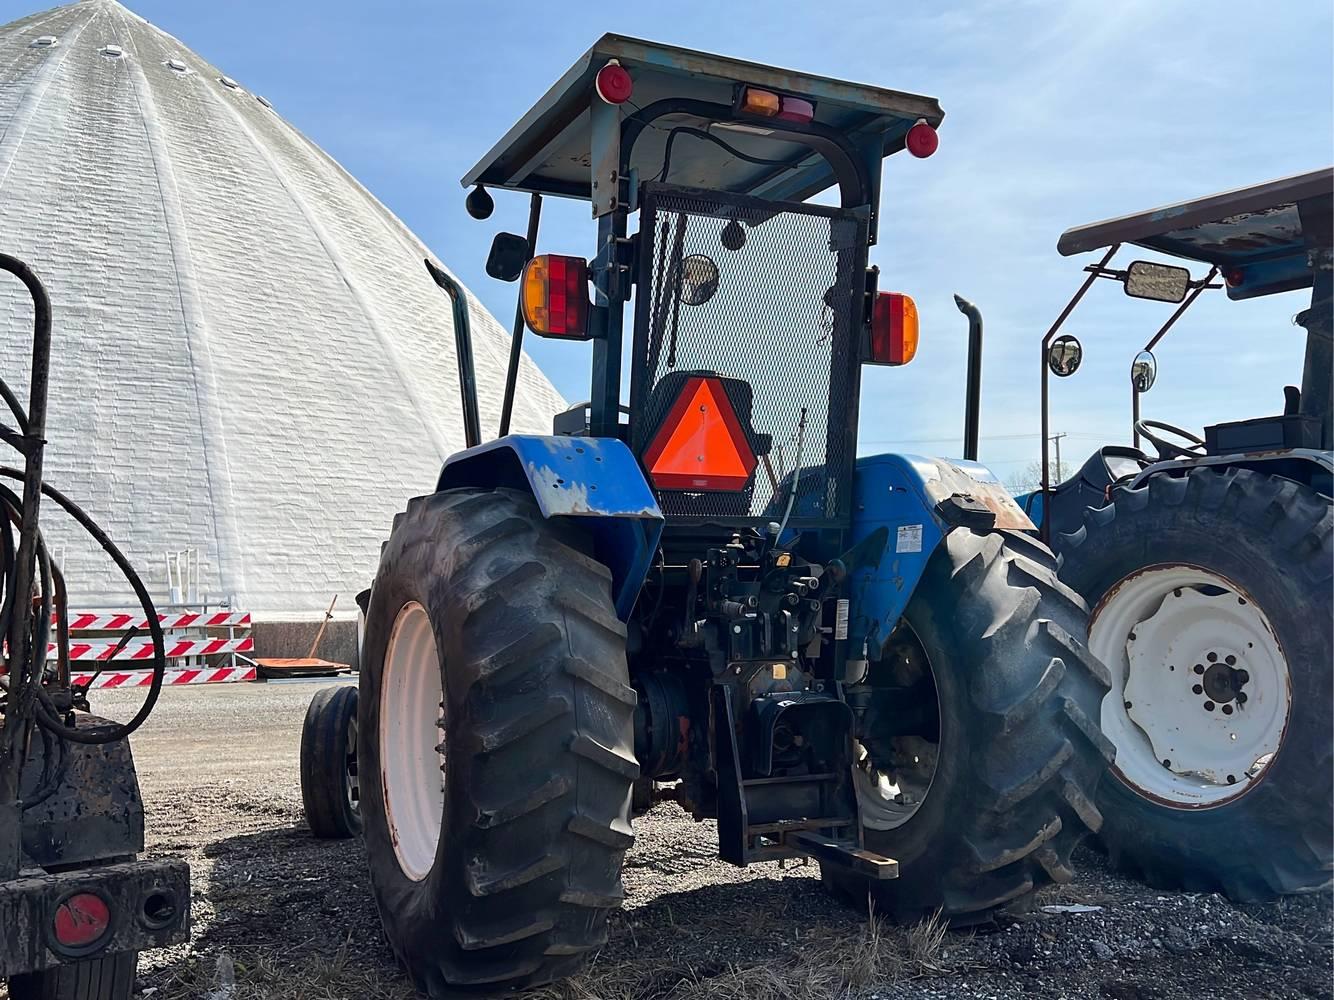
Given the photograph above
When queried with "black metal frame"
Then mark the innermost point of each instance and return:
(846, 355)
(612, 265)
(1096, 271)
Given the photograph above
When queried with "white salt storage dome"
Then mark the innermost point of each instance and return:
(249, 357)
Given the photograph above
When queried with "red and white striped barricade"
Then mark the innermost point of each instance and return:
(191, 638)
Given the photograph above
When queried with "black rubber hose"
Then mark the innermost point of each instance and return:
(120, 732)
(18, 632)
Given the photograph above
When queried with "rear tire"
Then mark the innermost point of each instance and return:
(108, 978)
(1270, 539)
(330, 789)
(512, 887)
(1018, 753)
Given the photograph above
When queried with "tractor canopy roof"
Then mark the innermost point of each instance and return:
(1259, 237)
(549, 151)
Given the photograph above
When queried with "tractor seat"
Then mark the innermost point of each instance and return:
(1088, 487)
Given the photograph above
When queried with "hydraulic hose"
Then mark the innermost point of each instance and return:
(28, 563)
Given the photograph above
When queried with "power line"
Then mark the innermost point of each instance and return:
(1056, 439)
(985, 437)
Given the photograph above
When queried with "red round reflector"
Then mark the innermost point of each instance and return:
(81, 920)
(1234, 277)
(922, 140)
(614, 84)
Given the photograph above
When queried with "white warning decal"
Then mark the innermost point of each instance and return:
(909, 538)
(841, 619)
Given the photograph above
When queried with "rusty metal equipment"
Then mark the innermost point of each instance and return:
(71, 820)
(303, 666)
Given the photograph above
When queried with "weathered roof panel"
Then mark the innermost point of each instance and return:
(1259, 234)
(548, 150)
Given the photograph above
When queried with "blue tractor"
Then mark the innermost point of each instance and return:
(1208, 566)
(699, 591)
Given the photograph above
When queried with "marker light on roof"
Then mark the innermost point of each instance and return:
(764, 103)
(922, 140)
(613, 83)
(795, 109)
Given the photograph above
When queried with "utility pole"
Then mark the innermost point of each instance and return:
(1056, 440)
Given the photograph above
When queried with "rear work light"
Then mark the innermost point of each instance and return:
(893, 329)
(555, 296)
(781, 107)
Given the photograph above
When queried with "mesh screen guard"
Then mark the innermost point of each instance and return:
(769, 295)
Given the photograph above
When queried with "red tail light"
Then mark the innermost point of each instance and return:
(922, 140)
(81, 921)
(613, 83)
(893, 329)
(555, 296)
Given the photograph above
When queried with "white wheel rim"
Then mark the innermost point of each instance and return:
(411, 729)
(1200, 692)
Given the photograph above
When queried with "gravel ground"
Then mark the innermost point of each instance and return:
(278, 914)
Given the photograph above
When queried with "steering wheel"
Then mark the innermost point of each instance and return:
(1166, 449)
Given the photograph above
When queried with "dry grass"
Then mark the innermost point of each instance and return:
(823, 965)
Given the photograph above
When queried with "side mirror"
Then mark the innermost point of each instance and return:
(1160, 282)
(508, 255)
(1143, 371)
(697, 279)
(1064, 355)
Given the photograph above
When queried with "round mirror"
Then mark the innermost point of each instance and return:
(697, 280)
(1143, 370)
(1064, 355)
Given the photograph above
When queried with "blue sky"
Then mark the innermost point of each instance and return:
(1058, 112)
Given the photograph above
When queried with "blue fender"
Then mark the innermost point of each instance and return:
(596, 480)
(896, 529)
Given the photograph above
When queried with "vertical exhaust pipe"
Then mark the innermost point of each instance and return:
(472, 424)
(972, 402)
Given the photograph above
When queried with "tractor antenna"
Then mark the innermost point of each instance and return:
(796, 475)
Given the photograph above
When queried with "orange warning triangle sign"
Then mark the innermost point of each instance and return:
(700, 446)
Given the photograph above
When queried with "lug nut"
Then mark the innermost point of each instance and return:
(1212, 657)
(1197, 689)
(1227, 709)
(1208, 706)
(1198, 668)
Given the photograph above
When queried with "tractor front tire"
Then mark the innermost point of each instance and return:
(1018, 753)
(496, 751)
(329, 785)
(1215, 572)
